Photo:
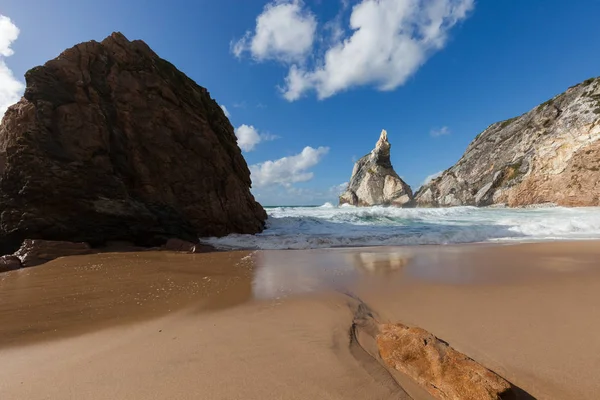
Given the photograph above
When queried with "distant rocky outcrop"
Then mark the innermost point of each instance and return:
(111, 142)
(549, 155)
(374, 181)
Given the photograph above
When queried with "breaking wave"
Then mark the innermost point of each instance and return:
(332, 226)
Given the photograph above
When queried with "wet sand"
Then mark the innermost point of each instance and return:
(275, 324)
(78, 294)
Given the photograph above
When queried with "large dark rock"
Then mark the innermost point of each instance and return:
(550, 154)
(111, 142)
(374, 181)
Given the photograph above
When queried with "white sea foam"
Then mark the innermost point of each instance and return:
(331, 226)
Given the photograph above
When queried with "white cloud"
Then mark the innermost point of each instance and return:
(285, 31)
(437, 132)
(337, 190)
(10, 33)
(385, 43)
(248, 137)
(226, 111)
(391, 39)
(287, 170)
(10, 88)
(297, 82)
(334, 29)
(431, 177)
(292, 195)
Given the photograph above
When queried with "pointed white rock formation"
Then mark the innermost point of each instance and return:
(374, 181)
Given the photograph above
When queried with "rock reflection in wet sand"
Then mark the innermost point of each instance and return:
(286, 272)
(282, 273)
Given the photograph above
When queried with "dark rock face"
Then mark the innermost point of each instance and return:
(111, 142)
(36, 252)
(548, 155)
(374, 181)
(9, 263)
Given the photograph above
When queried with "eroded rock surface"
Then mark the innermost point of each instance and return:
(111, 142)
(549, 155)
(444, 372)
(36, 252)
(374, 181)
(10, 263)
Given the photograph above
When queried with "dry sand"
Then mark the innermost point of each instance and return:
(275, 324)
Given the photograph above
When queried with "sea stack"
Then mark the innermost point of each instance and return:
(551, 154)
(374, 181)
(111, 142)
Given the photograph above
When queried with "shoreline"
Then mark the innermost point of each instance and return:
(513, 308)
(309, 228)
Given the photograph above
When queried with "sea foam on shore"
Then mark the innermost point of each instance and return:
(331, 226)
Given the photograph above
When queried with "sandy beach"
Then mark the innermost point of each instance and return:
(300, 200)
(276, 324)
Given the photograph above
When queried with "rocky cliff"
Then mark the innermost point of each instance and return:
(111, 142)
(374, 181)
(549, 155)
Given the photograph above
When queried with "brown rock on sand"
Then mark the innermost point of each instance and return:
(442, 371)
(112, 143)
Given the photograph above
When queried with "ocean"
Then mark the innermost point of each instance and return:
(332, 226)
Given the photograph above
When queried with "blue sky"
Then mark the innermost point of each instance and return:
(330, 74)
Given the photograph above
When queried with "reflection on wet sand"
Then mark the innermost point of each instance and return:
(382, 263)
(283, 273)
(83, 293)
